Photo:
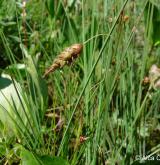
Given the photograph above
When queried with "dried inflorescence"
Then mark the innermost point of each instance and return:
(66, 57)
(146, 81)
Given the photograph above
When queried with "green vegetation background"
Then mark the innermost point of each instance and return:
(98, 110)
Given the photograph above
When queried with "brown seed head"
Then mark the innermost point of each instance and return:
(125, 18)
(65, 57)
(77, 48)
(146, 81)
(83, 139)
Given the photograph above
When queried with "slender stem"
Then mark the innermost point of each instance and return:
(93, 38)
(99, 56)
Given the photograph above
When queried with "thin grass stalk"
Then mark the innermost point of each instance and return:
(86, 83)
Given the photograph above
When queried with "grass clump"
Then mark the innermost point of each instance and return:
(104, 107)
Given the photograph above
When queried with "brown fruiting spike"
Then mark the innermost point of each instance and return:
(125, 18)
(66, 57)
(146, 81)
